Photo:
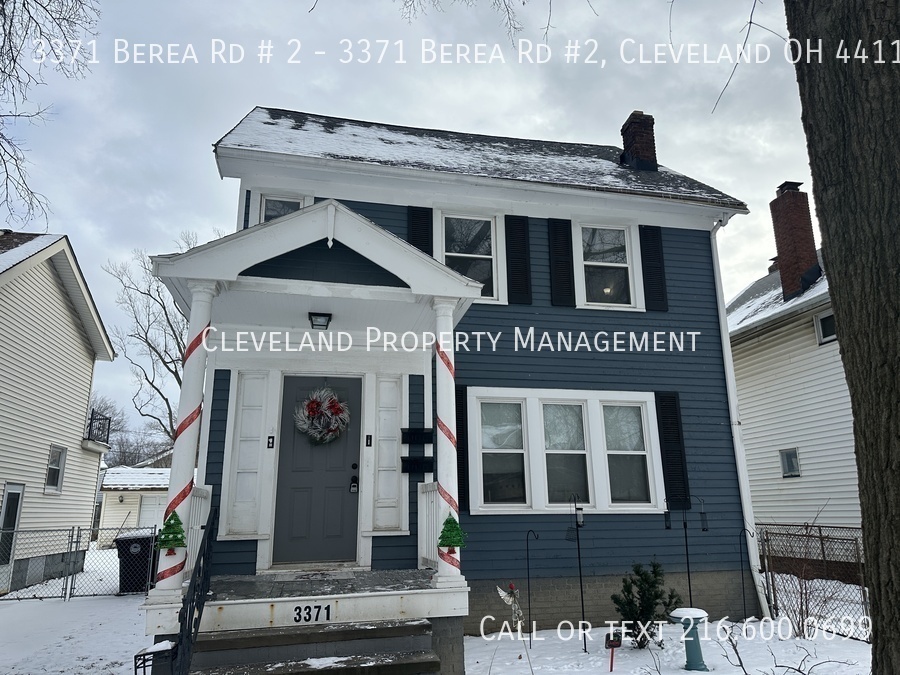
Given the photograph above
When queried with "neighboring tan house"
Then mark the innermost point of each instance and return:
(50, 337)
(796, 420)
(355, 242)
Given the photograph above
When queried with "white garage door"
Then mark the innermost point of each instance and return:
(152, 509)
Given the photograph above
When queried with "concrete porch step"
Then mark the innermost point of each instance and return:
(402, 663)
(296, 644)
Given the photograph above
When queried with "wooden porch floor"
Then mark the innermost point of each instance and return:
(294, 584)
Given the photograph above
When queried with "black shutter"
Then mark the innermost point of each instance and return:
(420, 228)
(562, 275)
(462, 449)
(654, 269)
(247, 209)
(518, 261)
(671, 438)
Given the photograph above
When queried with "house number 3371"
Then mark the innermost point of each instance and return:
(312, 613)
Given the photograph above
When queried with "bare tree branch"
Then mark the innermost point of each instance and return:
(35, 35)
(154, 340)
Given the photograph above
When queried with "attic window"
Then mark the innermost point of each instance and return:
(790, 463)
(276, 207)
(825, 329)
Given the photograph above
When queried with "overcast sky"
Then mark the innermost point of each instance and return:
(126, 159)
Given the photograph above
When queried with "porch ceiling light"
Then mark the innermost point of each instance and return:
(319, 320)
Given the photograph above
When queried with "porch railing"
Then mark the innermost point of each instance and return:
(429, 524)
(199, 513)
(195, 598)
(97, 428)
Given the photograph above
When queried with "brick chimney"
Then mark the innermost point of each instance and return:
(797, 262)
(638, 142)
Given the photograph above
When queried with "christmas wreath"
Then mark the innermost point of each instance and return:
(322, 416)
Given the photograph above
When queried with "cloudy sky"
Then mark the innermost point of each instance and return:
(126, 159)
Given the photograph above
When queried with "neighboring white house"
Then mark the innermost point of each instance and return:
(50, 337)
(795, 411)
(133, 497)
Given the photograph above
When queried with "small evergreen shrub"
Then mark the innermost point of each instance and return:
(643, 601)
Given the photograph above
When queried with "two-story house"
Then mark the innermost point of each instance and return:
(796, 418)
(410, 325)
(51, 336)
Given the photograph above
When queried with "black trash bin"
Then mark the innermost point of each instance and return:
(137, 558)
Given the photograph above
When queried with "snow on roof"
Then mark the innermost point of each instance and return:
(763, 301)
(127, 478)
(16, 247)
(578, 165)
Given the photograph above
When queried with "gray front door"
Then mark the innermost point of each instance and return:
(317, 498)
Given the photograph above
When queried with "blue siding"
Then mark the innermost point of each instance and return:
(403, 552)
(610, 543)
(229, 557)
(319, 262)
(390, 217)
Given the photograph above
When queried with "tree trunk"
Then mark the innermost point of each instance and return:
(851, 116)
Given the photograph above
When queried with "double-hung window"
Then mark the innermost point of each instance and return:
(537, 449)
(55, 466)
(473, 246)
(607, 266)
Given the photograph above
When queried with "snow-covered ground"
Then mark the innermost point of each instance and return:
(82, 636)
(87, 636)
(555, 655)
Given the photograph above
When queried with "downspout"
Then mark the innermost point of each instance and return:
(740, 458)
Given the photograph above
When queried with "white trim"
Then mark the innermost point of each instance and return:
(817, 320)
(633, 252)
(347, 179)
(535, 462)
(740, 456)
(498, 245)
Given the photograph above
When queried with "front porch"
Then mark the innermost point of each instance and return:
(297, 598)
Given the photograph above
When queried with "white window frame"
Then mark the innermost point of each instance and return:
(498, 246)
(536, 498)
(633, 252)
(57, 488)
(781, 455)
(824, 339)
(304, 201)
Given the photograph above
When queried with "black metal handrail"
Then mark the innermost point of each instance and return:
(97, 428)
(194, 600)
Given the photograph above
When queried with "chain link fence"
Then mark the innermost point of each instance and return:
(815, 576)
(76, 562)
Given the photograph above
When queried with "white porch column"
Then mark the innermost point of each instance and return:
(448, 566)
(170, 573)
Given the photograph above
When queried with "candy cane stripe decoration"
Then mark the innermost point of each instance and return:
(187, 431)
(445, 373)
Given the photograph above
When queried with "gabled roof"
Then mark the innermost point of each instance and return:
(21, 251)
(575, 165)
(225, 259)
(762, 303)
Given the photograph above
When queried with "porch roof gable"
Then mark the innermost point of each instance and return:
(226, 258)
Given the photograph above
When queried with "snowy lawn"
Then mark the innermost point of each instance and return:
(101, 635)
(555, 655)
(83, 636)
